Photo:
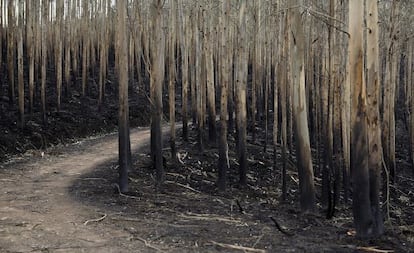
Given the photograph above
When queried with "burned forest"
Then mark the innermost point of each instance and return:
(206, 126)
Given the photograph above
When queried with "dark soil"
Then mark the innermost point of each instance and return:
(78, 118)
(66, 199)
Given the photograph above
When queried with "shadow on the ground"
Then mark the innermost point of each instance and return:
(188, 214)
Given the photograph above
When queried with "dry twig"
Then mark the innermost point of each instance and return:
(237, 247)
(95, 220)
(207, 217)
(148, 244)
(184, 186)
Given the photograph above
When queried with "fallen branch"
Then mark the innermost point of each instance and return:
(280, 228)
(95, 220)
(240, 207)
(374, 249)
(184, 186)
(237, 247)
(148, 244)
(207, 217)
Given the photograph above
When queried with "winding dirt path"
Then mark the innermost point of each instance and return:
(37, 213)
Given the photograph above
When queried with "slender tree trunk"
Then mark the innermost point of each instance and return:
(211, 94)
(172, 76)
(304, 159)
(11, 50)
(410, 84)
(59, 49)
(20, 66)
(85, 46)
(156, 83)
(283, 102)
(44, 58)
(124, 142)
(223, 163)
(185, 73)
(257, 68)
(388, 138)
(241, 84)
(32, 8)
(374, 129)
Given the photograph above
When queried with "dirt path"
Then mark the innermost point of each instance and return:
(37, 214)
(65, 201)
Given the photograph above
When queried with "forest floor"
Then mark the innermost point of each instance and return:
(58, 191)
(64, 199)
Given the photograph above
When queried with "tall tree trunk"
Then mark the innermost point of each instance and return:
(172, 76)
(123, 125)
(283, 102)
(156, 82)
(389, 92)
(304, 159)
(185, 44)
(211, 93)
(11, 50)
(44, 57)
(85, 46)
(374, 129)
(256, 68)
(32, 10)
(20, 66)
(361, 203)
(59, 49)
(223, 163)
(241, 84)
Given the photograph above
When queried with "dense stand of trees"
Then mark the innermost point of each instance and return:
(332, 75)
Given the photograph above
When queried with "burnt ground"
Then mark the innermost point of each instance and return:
(67, 201)
(59, 194)
(79, 117)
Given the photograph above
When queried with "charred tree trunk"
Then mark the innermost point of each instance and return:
(304, 159)
(124, 142)
(361, 203)
(241, 84)
(374, 129)
(20, 66)
(156, 82)
(172, 77)
(223, 163)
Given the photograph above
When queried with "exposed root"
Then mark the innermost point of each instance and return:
(125, 195)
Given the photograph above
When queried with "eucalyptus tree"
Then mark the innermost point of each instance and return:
(364, 220)
(123, 123)
(241, 87)
(156, 82)
(373, 114)
(304, 158)
(172, 73)
(11, 49)
(20, 63)
(223, 162)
